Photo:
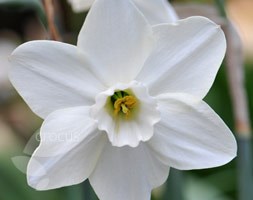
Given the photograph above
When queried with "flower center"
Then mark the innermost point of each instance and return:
(123, 102)
(126, 113)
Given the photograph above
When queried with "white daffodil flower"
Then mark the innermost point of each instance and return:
(125, 104)
(156, 11)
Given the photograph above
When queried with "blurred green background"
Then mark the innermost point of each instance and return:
(24, 20)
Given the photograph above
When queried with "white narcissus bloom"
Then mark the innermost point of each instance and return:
(156, 11)
(125, 104)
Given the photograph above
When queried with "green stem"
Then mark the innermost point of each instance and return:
(221, 7)
(89, 194)
(244, 165)
(174, 190)
(86, 190)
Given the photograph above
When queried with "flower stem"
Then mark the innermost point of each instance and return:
(49, 9)
(88, 191)
(244, 165)
(221, 6)
(174, 186)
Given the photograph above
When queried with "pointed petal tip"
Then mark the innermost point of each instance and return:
(187, 63)
(195, 138)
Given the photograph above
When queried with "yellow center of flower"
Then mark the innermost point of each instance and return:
(123, 102)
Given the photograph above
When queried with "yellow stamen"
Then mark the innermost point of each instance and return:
(124, 104)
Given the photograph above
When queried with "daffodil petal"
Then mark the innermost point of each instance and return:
(127, 173)
(80, 5)
(157, 11)
(186, 59)
(51, 75)
(119, 39)
(68, 152)
(191, 135)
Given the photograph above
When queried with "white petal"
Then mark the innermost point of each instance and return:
(191, 135)
(52, 75)
(157, 11)
(127, 173)
(119, 39)
(80, 5)
(69, 149)
(122, 131)
(186, 59)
